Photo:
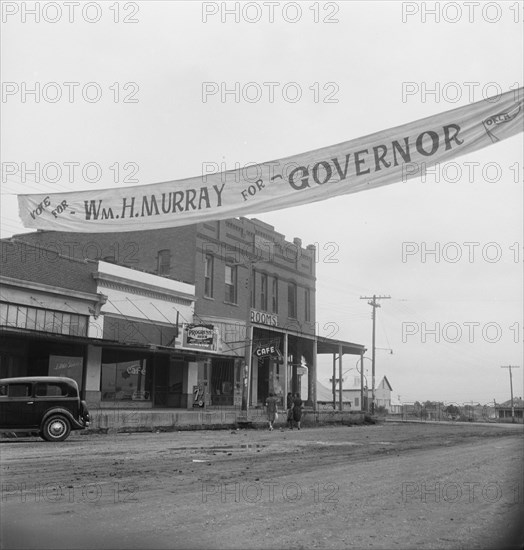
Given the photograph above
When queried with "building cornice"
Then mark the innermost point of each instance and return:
(55, 290)
(144, 289)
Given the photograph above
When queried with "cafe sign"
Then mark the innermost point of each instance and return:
(264, 318)
(267, 350)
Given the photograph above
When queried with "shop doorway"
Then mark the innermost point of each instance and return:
(222, 382)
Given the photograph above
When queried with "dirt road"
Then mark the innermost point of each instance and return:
(384, 486)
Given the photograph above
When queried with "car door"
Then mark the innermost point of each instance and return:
(17, 408)
(51, 395)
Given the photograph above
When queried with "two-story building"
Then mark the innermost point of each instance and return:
(254, 327)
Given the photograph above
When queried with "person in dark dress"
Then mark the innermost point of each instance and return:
(297, 410)
(289, 408)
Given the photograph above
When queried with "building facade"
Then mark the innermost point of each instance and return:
(110, 328)
(253, 330)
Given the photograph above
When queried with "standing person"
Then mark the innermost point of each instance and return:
(297, 409)
(271, 404)
(289, 408)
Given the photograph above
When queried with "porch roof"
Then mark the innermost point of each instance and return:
(330, 345)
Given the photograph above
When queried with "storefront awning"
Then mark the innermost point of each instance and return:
(329, 345)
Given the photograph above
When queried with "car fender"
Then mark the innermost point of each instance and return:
(75, 424)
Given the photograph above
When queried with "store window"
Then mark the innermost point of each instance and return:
(231, 284)
(263, 292)
(126, 381)
(292, 300)
(68, 366)
(208, 276)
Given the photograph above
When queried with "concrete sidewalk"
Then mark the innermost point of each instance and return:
(136, 420)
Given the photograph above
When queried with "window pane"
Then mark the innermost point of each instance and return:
(31, 318)
(40, 319)
(231, 284)
(292, 300)
(164, 262)
(208, 276)
(3, 314)
(274, 298)
(19, 390)
(11, 315)
(307, 307)
(263, 292)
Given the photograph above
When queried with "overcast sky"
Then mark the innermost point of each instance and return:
(340, 70)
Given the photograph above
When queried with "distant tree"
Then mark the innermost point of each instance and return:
(452, 410)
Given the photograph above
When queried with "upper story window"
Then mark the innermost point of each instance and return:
(253, 287)
(292, 300)
(163, 262)
(263, 292)
(46, 320)
(307, 304)
(274, 295)
(231, 284)
(208, 275)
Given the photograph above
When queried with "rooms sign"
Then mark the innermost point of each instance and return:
(264, 318)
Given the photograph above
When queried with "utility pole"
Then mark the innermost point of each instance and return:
(374, 304)
(511, 389)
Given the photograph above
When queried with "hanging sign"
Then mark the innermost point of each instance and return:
(390, 156)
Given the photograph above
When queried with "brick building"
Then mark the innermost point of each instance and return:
(108, 327)
(254, 315)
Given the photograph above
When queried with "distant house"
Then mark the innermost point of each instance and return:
(504, 409)
(395, 405)
(351, 396)
(383, 394)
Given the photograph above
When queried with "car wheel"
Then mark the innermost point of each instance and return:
(56, 428)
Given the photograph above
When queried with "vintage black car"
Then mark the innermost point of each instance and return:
(46, 405)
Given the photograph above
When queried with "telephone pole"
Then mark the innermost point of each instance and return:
(511, 389)
(374, 304)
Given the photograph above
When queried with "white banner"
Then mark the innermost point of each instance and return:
(389, 156)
